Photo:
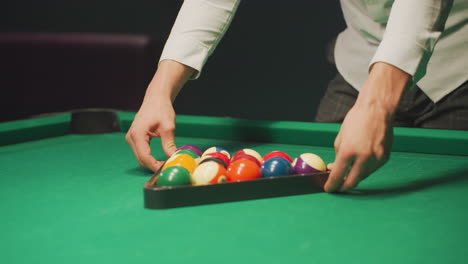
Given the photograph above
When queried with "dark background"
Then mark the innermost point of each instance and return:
(271, 64)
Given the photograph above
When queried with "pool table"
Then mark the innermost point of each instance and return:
(68, 197)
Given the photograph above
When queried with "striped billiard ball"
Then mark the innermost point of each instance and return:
(217, 149)
(308, 163)
(242, 155)
(218, 155)
(209, 172)
(249, 152)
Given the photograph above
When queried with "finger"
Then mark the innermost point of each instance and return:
(129, 139)
(338, 173)
(356, 174)
(143, 151)
(167, 141)
(330, 166)
(337, 142)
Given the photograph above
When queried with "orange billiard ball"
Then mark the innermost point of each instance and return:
(243, 170)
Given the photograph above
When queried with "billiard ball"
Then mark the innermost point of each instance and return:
(242, 155)
(308, 163)
(171, 158)
(208, 173)
(277, 153)
(182, 160)
(192, 148)
(189, 152)
(250, 152)
(173, 176)
(217, 149)
(218, 155)
(208, 158)
(243, 170)
(276, 166)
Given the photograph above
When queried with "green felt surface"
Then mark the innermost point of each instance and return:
(79, 199)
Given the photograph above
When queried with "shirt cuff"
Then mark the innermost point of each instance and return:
(411, 34)
(187, 51)
(405, 54)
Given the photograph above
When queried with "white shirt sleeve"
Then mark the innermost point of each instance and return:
(412, 30)
(199, 27)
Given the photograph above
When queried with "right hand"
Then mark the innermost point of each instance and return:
(155, 118)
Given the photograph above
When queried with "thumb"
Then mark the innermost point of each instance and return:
(167, 142)
(337, 142)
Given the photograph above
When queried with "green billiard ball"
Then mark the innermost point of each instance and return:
(188, 152)
(173, 176)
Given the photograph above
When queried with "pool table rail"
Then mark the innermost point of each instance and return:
(415, 140)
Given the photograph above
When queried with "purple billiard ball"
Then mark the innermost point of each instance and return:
(276, 166)
(308, 163)
(192, 148)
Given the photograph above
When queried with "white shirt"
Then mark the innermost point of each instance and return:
(408, 34)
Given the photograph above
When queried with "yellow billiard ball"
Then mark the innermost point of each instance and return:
(181, 160)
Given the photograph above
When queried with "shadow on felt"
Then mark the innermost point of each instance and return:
(139, 172)
(449, 178)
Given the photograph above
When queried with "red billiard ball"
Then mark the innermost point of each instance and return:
(249, 152)
(243, 170)
(219, 155)
(277, 153)
(217, 149)
(242, 155)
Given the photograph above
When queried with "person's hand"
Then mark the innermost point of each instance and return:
(156, 116)
(154, 119)
(365, 138)
(362, 146)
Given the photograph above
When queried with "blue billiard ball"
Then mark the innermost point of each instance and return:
(276, 167)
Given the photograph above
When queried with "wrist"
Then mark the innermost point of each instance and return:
(168, 80)
(383, 89)
(160, 91)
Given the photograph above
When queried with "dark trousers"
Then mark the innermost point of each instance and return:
(415, 108)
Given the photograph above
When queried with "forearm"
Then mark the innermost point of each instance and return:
(198, 29)
(411, 34)
(383, 89)
(168, 80)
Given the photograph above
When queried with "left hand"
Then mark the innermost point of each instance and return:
(365, 138)
(362, 146)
